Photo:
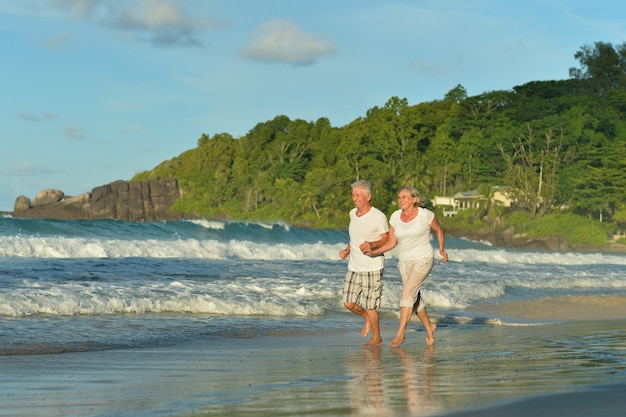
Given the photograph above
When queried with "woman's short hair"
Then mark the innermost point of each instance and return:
(420, 200)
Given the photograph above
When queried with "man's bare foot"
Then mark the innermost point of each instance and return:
(430, 340)
(374, 343)
(396, 341)
(367, 328)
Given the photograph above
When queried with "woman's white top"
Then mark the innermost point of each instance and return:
(413, 237)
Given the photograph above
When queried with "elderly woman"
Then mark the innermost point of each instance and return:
(410, 229)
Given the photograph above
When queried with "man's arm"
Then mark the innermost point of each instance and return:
(386, 242)
(343, 254)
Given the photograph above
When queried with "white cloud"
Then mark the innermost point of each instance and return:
(282, 41)
(29, 117)
(30, 168)
(161, 22)
(74, 132)
(429, 69)
(57, 41)
(79, 8)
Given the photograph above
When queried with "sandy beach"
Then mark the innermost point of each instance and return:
(589, 318)
(606, 401)
(569, 307)
(554, 368)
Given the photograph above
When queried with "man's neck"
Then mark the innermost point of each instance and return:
(364, 210)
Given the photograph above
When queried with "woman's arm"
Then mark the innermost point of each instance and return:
(436, 227)
(380, 246)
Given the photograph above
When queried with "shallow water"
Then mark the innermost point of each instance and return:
(324, 373)
(208, 318)
(93, 285)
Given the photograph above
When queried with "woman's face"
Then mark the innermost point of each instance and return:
(406, 200)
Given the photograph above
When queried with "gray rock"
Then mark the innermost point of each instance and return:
(22, 203)
(47, 197)
(129, 201)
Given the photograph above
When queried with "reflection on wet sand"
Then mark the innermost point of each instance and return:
(392, 381)
(417, 380)
(367, 394)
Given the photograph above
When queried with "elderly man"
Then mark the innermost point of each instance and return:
(363, 283)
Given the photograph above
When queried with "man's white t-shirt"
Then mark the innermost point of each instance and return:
(414, 236)
(368, 228)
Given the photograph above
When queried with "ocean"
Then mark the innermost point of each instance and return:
(69, 286)
(189, 318)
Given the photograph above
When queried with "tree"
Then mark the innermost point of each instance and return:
(599, 187)
(470, 148)
(491, 209)
(532, 174)
(353, 147)
(574, 154)
(620, 219)
(457, 94)
(439, 154)
(603, 64)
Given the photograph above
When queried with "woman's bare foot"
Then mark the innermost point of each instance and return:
(367, 328)
(396, 341)
(430, 340)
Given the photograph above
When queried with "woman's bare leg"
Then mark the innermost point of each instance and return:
(405, 315)
(430, 328)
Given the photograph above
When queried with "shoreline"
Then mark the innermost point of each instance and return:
(596, 313)
(567, 367)
(560, 308)
(605, 401)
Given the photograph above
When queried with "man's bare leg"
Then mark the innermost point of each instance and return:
(367, 328)
(374, 322)
(430, 328)
(360, 311)
(405, 315)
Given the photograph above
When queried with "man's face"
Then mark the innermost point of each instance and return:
(360, 198)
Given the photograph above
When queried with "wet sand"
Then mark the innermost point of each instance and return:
(572, 307)
(605, 401)
(553, 368)
(590, 319)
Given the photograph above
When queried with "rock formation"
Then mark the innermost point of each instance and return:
(129, 201)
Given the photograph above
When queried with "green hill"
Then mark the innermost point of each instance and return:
(559, 145)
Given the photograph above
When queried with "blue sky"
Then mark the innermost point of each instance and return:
(93, 91)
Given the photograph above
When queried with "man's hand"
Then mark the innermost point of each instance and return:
(366, 248)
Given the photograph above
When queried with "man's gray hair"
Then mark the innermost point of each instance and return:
(364, 185)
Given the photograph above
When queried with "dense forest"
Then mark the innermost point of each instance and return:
(559, 145)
